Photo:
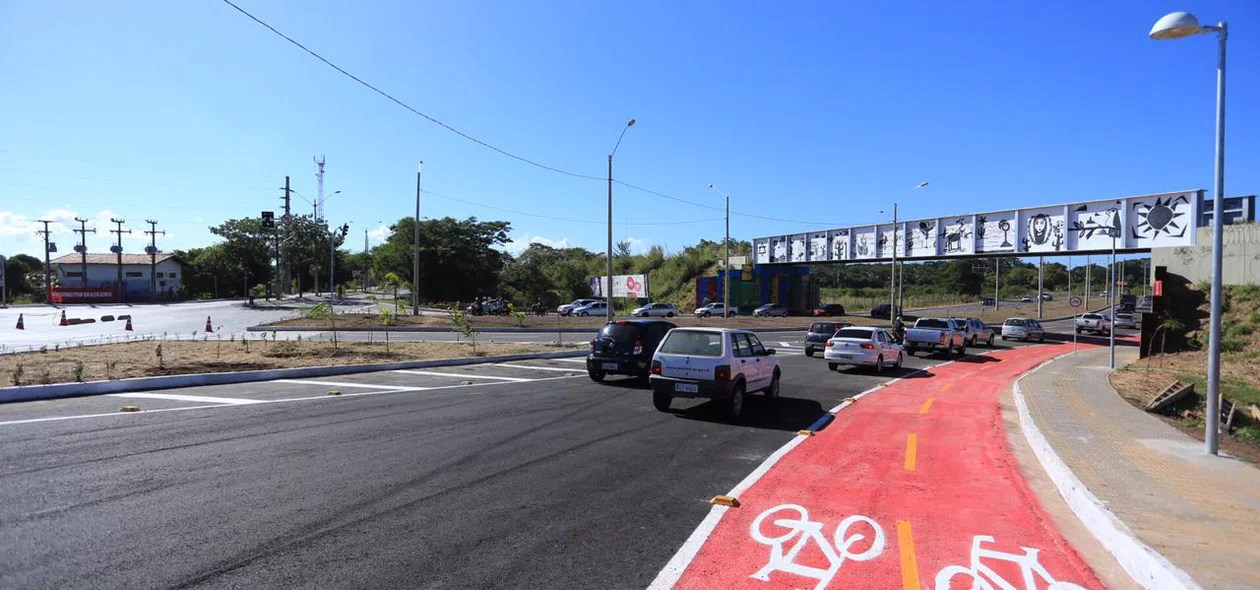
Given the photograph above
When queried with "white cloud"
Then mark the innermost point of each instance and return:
(638, 245)
(13, 224)
(379, 235)
(515, 247)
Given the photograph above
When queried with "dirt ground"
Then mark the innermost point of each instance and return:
(140, 359)
(1139, 382)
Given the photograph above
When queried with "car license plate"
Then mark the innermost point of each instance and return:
(686, 388)
(611, 366)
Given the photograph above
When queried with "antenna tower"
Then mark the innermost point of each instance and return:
(319, 176)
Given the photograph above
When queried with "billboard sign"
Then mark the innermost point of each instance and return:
(1133, 223)
(632, 286)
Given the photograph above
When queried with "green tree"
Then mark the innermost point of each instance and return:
(961, 277)
(249, 245)
(459, 259)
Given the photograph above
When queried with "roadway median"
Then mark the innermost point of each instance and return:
(550, 324)
(165, 364)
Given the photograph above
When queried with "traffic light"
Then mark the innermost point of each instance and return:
(268, 220)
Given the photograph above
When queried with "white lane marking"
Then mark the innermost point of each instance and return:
(785, 343)
(462, 388)
(457, 376)
(562, 369)
(186, 398)
(340, 384)
(673, 570)
(583, 361)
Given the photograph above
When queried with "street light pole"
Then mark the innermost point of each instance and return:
(726, 270)
(608, 285)
(892, 277)
(415, 249)
(1175, 26)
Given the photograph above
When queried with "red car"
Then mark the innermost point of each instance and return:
(831, 309)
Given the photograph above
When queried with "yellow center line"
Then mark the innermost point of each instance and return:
(909, 563)
(927, 405)
(946, 387)
(912, 447)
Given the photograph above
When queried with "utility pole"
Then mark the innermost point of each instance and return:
(415, 249)
(997, 290)
(152, 249)
(726, 265)
(1089, 268)
(83, 231)
(118, 249)
(367, 268)
(901, 286)
(1069, 267)
(47, 262)
(892, 272)
(283, 267)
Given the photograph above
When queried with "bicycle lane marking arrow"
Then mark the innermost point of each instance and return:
(828, 514)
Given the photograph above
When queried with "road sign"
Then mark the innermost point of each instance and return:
(1074, 301)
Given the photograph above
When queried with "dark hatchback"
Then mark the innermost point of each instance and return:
(625, 347)
(829, 309)
(819, 333)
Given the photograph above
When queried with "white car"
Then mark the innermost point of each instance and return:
(1093, 322)
(721, 364)
(568, 308)
(770, 310)
(658, 310)
(595, 308)
(1026, 329)
(1129, 320)
(864, 346)
(712, 309)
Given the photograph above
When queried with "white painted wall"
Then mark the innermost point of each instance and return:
(135, 276)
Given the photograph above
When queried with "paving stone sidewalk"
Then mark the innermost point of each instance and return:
(1200, 512)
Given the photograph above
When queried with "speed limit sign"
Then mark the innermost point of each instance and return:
(1074, 302)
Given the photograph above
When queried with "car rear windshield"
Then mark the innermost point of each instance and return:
(858, 333)
(1091, 316)
(620, 332)
(1016, 323)
(822, 327)
(931, 323)
(692, 343)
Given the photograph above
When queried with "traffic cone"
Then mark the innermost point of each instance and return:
(21, 325)
(63, 318)
(128, 328)
(209, 328)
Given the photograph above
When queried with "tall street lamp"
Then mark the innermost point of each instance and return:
(1178, 25)
(415, 249)
(892, 282)
(726, 270)
(608, 286)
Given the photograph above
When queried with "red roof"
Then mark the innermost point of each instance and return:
(111, 259)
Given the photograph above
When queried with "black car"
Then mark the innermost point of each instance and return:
(625, 347)
(819, 333)
(881, 311)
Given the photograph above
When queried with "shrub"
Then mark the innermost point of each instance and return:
(1250, 434)
(18, 372)
(1239, 330)
(1232, 344)
(78, 371)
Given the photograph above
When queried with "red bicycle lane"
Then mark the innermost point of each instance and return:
(912, 486)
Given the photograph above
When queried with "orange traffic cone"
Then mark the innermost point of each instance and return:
(209, 328)
(21, 325)
(128, 328)
(63, 318)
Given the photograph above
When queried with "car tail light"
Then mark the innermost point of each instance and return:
(591, 344)
(656, 367)
(638, 347)
(868, 346)
(830, 344)
(722, 373)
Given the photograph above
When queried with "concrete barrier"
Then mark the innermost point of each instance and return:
(60, 390)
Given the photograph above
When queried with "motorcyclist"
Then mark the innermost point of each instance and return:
(899, 329)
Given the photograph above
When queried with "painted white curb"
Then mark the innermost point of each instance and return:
(1145, 565)
(59, 390)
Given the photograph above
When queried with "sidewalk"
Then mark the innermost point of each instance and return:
(1202, 513)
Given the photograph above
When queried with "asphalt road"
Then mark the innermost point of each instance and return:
(507, 476)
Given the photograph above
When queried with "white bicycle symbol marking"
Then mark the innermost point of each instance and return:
(796, 520)
(984, 578)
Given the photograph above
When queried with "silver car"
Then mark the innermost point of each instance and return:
(1025, 329)
(656, 310)
(1128, 320)
(595, 308)
(863, 346)
(769, 310)
(568, 308)
(976, 332)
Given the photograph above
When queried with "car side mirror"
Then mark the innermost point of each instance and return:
(769, 352)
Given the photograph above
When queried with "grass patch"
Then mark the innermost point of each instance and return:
(141, 359)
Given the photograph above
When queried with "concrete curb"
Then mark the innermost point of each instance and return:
(426, 330)
(60, 390)
(1145, 565)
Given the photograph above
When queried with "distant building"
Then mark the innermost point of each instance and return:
(102, 272)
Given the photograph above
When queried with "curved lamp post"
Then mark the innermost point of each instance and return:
(608, 299)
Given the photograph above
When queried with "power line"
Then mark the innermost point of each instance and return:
(404, 105)
(484, 144)
(564, 219)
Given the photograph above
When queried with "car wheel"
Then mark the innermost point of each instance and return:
(661, 400)
(809, 352)
(1042, 338)
(833, 366)
(879, 365)
(1004, 339)
(772, 391)
(669, 315)
(910, 351)
(581, 314)
(990, 341)
(899, 362)
(962, 350)
(596, 376)
(949, 353)
(1078, 330)
(735, 403)
(705, 314)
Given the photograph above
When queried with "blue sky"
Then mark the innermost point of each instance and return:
(189, 113)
